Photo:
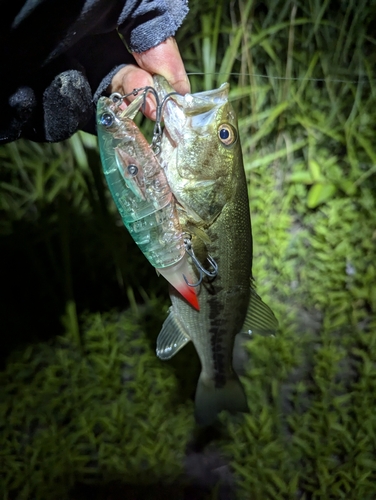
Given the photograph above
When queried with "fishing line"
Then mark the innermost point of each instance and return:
(334, 80)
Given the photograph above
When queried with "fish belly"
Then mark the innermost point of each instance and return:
(223, 304)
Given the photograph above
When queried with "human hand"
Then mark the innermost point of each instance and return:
(165, 60)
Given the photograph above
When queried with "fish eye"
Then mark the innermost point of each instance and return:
(106, 119)
(227, 134)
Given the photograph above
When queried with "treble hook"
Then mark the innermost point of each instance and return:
(157, 131)
(157, 137)
(165, 99)
(197, 263)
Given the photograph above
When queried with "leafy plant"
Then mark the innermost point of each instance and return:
(95, 415)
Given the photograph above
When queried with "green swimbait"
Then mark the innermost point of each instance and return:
(139, 187)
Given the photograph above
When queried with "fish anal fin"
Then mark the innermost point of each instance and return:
(260, 318)
(171, 338)
(210, 401)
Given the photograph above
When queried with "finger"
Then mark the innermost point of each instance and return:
(165, 60)
(131, 77)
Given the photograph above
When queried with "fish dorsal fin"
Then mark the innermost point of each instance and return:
(172, 337)
(260, 318)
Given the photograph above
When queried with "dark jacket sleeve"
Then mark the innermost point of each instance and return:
(60, 56)
(149, 23)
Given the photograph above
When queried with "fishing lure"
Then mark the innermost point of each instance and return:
(140, 189)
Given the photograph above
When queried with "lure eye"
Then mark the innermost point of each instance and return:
(106, 119)
(132, 170)
(227, 134)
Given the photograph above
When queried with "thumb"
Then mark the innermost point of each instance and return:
(165, 60)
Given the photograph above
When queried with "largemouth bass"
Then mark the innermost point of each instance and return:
(203, 162)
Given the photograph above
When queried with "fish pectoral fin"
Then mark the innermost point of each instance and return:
(172, 337)
(260, 318)
(199, 233)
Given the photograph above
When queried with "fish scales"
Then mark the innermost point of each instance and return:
(205, 171)
(227, 297)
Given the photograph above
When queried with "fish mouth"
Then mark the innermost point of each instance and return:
(190, 111)
(170, 138)
(192, 103)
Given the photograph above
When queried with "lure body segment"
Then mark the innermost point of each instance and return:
(141, 192)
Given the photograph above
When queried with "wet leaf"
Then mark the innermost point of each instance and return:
(319, 194)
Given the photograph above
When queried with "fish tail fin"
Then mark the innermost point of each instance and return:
(210, 401)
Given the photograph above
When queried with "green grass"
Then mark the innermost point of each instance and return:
(311, 432)
(303, 83)
(108, 412)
